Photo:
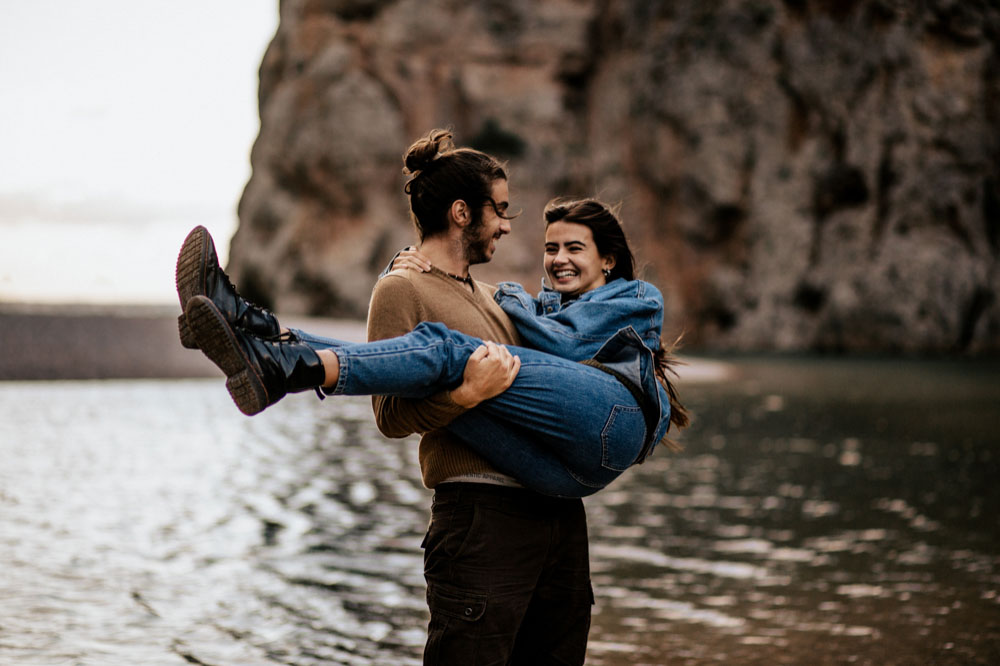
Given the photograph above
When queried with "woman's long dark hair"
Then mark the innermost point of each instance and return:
(609, 237)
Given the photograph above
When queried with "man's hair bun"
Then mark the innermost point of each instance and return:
(424, 151)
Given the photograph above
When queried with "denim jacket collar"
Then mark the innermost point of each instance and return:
(623, 326)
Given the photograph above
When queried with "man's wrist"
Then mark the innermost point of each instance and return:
(460, 396)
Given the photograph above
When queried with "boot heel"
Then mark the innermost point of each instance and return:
(247, 392)
(187, 335)
(189, 274)
(218, 342)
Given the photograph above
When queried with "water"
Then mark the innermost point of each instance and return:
(824, 512)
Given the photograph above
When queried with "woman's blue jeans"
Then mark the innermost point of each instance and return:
(562, 428)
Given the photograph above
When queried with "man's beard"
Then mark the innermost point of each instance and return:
(477, 248)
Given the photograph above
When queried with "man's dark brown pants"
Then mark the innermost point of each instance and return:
(508, 577)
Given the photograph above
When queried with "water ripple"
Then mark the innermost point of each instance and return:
(150, 523)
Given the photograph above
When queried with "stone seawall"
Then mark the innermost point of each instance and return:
(113, 342)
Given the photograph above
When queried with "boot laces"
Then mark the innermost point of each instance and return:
(287, 337)
(239, 297)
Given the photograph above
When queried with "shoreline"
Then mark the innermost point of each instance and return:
(49, 341)
(114, 341)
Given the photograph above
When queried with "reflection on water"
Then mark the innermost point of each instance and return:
(823, 512)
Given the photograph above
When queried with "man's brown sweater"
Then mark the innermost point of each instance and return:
(401, 300)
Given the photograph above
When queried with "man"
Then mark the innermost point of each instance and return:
(507, 569)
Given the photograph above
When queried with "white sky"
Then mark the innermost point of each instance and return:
(123, 123)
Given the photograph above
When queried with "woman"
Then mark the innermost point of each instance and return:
(587, 401)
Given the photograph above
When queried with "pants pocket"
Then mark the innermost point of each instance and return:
(621, 438)
(455, 603)
(449, 529)
(453, 635)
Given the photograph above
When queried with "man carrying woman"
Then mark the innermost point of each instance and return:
(506, 565)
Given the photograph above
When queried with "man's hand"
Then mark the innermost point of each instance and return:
(411, 258)
(489, 372)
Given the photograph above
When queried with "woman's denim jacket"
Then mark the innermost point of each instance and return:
(617, 324)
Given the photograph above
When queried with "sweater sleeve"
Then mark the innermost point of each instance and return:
(395, 310)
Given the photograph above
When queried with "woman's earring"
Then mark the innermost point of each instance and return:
(607, 272)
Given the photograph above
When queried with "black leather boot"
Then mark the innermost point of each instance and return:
(198, 273)
(259, 372)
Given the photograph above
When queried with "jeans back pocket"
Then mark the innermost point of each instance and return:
(622, 437)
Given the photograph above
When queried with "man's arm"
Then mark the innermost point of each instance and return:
(395, 310)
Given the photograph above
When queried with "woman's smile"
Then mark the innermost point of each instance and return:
(572, 261)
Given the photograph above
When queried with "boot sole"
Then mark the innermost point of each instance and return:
(218, 342)
(189, 276)
(186, 334)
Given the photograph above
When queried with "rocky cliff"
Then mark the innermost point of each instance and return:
(794, 175)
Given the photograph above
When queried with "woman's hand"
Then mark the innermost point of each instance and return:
(489, 372)
(411, 258)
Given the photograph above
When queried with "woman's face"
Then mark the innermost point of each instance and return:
(572, 262)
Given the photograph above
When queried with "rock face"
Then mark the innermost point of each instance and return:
(796, 175)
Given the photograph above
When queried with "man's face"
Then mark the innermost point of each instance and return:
(481, 239)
